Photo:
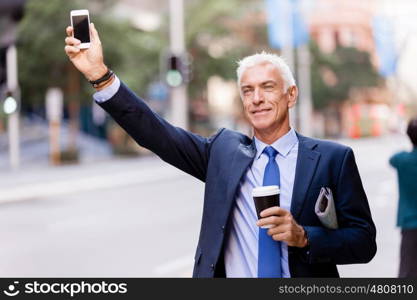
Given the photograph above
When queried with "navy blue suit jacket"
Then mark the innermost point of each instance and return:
(221, 162)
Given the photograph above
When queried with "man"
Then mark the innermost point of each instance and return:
(406, 165)
(231, 243)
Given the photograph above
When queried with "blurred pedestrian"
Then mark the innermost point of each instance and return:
(231, 164)
(406, 165)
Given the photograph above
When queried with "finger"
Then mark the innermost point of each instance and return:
(280, 237)
(277, 229)
(273, 211)
(69, 30)
(71, 50)
(273, 220)
(94, 33)
(70, 41)
(269, 211)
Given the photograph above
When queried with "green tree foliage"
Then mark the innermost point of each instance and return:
(42, 60)
(218, 24)
(333, 75)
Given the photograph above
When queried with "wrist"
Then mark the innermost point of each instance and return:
(96, 73)
(105, 84)
(305, 239)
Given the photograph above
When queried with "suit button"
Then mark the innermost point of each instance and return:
(212, 266)
(223, 228)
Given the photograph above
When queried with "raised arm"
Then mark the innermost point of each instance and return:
(184, 150)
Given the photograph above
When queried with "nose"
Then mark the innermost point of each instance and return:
(258, 96)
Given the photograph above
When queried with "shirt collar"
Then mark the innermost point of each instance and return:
(283, 145)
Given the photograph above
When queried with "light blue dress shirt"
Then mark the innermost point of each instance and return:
(241, 249)
(108, 92)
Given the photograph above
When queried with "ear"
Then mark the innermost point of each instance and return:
(292, 94)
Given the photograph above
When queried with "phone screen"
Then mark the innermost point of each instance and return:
(81, 28)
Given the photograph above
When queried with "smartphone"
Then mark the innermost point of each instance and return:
(80, 22)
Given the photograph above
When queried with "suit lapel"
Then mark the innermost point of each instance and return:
(241, 160)
(307, 161)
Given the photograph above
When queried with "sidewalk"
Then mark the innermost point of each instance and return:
(34, 146)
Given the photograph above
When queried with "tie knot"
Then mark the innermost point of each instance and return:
(271, 152)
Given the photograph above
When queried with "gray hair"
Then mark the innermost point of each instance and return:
(264, 57)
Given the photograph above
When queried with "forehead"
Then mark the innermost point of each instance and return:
(260, 73)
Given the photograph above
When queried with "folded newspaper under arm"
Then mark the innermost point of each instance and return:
(325, 208)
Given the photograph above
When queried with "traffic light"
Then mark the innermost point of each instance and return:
(178, 70)
(10, 105)
(174, 77)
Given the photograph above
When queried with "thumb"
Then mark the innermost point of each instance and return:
(94, 34)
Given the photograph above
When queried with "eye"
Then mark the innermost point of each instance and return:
(269, 87)
(246, 91)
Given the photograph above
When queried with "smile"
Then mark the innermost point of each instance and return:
(261, 111)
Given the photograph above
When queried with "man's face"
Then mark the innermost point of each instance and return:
(264, 101)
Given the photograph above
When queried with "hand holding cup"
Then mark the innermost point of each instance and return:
(264, 198)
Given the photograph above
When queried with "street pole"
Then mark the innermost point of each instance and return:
(54, 105)
(304, 82)
(288, 50)
(179, 101)
(13, 118)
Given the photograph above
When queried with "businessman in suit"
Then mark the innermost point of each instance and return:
(231, 242)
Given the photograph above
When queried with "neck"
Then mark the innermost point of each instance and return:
(270, 136)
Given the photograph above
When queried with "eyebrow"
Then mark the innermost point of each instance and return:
(268, 81)
(262, 83)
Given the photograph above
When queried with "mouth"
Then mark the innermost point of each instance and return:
(261, 111)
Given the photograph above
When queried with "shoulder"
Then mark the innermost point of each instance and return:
(225, 135)
(399, 157)
(223, 144)
(401, 154)
(324, 146)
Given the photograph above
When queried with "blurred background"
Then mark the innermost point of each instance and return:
(79, 198)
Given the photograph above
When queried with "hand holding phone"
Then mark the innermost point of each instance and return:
(88, 61)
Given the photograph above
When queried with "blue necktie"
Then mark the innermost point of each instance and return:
(269, 251)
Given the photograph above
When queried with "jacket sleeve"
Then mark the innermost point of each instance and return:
(180, 148)
(354, 240)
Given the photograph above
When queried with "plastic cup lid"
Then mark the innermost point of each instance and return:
(267, 190)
